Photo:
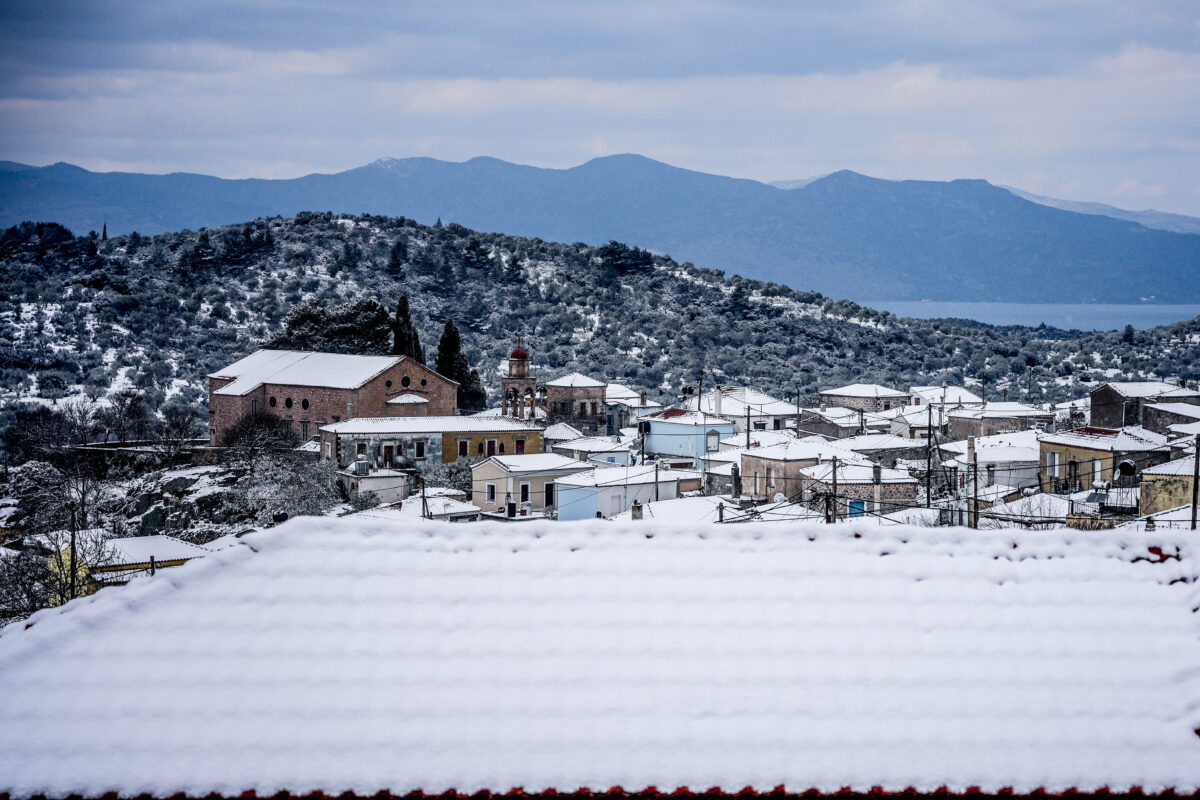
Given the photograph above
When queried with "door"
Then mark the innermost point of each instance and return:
(491, 447)
(857, 508)
(520, 447)
(388, 454)
(549, 495)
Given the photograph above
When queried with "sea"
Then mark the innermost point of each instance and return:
(1087, 317)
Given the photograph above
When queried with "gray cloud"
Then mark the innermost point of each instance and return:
(1085, 100)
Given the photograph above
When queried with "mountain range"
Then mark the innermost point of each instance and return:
(843, 234)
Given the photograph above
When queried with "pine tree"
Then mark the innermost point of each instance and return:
(405, 340)
(449, 352)
(104, 232)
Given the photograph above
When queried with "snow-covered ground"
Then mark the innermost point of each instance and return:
(365, 654)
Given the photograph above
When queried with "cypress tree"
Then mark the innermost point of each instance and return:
(449, 353)
(405, 340)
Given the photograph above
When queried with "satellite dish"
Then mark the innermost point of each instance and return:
(779, 497)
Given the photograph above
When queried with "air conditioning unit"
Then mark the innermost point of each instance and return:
(362, 466)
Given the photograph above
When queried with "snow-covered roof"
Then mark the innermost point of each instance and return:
(576, 380)
(856, 472)
(1150, 389)
(593, 444)
(736, 399)
(537, 462)
(538, 413)
(412, 507)
(1117, 440)
(1182, 409)
(696, 419)
(950, 395)
(1032, 509)
(864, 390)
(758, 438)
(810, 448)
(446, 424)
(408, 398)
(296, 368)
(311, 446)
(869, 442)
(620, 394)
(1000, 410)
(139, 549)
(354, 654)
(635, 402)
(998, 455)
(682, 510)
(561, 431)
(1025, 438)
(851, 417)
(625, 476)
(1180, 466)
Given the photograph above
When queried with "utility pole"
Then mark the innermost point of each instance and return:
(74, 562)
(929, 457)
(747, 425)
(1195, 477)
(797, 412)
(973, 515)
(656, 480)
(835, 508)
(424, 501)
(1029, 382)
(700, 390)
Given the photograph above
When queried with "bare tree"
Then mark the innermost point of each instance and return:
(178, 426)
(255, 435)
(79, 416)
(127, 416)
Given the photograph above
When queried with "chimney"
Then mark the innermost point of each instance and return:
(876, 473)
(636, 510)
(716, 401)
(970, 448)
(643, 397)
(736, 490)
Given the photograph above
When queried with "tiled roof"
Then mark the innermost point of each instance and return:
(296, 368)
(538, 462)
(576, 380)
(1116, 440)
(1150, 389)
(357, 654)
(864, 390)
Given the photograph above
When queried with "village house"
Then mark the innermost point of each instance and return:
(865, 397)
(1009, 459)
(922, 423)
(400, 442)
(838, 422)
(1122, 403)
(526, 480)
(606, 492)
(309, 390)
(625, 407)
(600, 449)
(862, 488)
(885, 448)
(1159, 417)
(745, 407)
(574, 398)
(1073, 460)
(997, 417)
(577, 397)
(944, 397)
(776, 469)
(121, 559)
(675, 432)
(1167, 485)
(558, 433)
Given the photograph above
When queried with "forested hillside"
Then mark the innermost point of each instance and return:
(158, 313)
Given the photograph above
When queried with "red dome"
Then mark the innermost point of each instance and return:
(519, 353)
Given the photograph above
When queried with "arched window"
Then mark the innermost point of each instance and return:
(288, 402)
(304, 404)
(271, 402)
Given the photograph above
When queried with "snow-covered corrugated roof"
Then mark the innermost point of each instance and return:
(440, 424)
(1117, 440)
(811, 448)
(1000, 410)
(692, 418)
(593, 444)
(945, 394)
(624, 476)
(360, 655)
(576, 380)
(408, 398)
(561, 431)
(538, 462)
(864, 390)
(1007, 439)
(869, 442)
(139, 549)
(1182, 409)
(685, 510)
(1180, 466)
(758, 438)
(538, 413)
(1150, 389)
(295, 368)
(736, 399)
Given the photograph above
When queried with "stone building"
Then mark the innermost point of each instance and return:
(576, 396)
(1122, 403)
(398, 442)
(519, 393)
(861, 488)
(865, 396)
(1074, 460)
(1167, 486)
(1001, 417)
(310, 390)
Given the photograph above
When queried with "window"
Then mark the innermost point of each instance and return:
(614, 505)
(423, 381)
(1052, 464)
(549, 495)
(253, 406)
(304, 404)
(771, 477)
(328, 450)
(420, 449)
(304, 429)
(480, 448)
(288, 402)
(1095, 470)
(524, 492)
(712, 441)
(502, 448)
(463, 445)
(583, 409)
(857, 508)
(760, 426)
(405, 381)
(388, 383)
(271, 402)
(361, 449)
(491, 492)
(336, 418)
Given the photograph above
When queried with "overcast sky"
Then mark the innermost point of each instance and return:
(1069, 98)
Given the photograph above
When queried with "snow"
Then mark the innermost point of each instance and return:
(999, 410)
(561, 432)
(869, 442)
(857, 472)
(864, 390)
(538, 462)
(948, 395)
(576, 381)
(140, 549)
(757, 439)
(1182, 409)
(1150, 389)
(625, 476)
(362, 655)
(294, 368)
(1122, 440)
(810, 448)
(682, 510)
(407, 398)
(1180, 466)
(735, 401)
(440, 424)
(594, 444)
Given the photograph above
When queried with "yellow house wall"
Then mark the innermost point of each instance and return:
(533, 443)
(1161, 492)
(1067, 454)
